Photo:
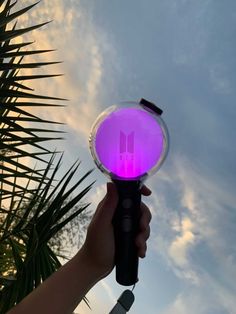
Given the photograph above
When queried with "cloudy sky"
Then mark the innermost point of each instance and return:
(180, 54)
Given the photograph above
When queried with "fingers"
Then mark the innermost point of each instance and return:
(106, 209)
(145, 219)
(141, 242)
(145, 191)
(144, 232)
(112, 193)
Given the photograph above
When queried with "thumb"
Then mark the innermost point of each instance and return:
(110, 202)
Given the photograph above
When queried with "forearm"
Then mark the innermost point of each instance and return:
(61, 292)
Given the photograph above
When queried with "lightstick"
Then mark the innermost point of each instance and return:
(128, 143)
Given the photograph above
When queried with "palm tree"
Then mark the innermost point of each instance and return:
(34, 204)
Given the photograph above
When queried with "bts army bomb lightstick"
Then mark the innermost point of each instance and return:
(128, 142)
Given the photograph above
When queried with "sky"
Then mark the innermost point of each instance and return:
(181, 56)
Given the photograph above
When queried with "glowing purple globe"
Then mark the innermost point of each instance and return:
(128, 141)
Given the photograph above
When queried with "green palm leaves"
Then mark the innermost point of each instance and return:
(16, 100)
(27, 230)
(34, 204)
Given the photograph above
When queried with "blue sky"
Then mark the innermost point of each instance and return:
(180, 55)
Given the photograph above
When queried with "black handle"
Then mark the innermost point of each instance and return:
(126, 226)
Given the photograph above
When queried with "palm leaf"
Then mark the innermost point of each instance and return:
(28, 77)
(7, 66)
(11, 17)
(11, 90)
(39, 205)
(14, 107)
(35, 260)
(24, 53)
(8, 35)
(10, 47)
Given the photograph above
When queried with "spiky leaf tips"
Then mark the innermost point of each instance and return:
(21, 136)
(35, 206)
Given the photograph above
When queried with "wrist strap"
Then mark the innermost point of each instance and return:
(124, 303)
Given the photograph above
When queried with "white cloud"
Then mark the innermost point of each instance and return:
(101, 299)
(202, 216)
(80, 45)
(184, 303)
(203, 219)
(96, 303)
(179, 247)
(209, 297)
(109, 291)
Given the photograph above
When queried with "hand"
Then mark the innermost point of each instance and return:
(99, 246)
(63, 290)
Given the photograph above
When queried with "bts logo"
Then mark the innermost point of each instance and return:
(126, 145)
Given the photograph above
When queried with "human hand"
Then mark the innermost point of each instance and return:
(99, 246)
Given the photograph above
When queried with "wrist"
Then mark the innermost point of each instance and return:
(85, 262)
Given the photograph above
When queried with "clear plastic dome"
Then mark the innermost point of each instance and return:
(129, 141)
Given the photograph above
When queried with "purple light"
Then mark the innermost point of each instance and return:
(129, 142)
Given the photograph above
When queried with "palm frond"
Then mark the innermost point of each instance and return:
(13, 133)
(8, 35)
(39, 206)
(10, 47)
(13, 16)
(37, 221)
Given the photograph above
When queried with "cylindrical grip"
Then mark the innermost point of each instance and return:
(126, 225)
